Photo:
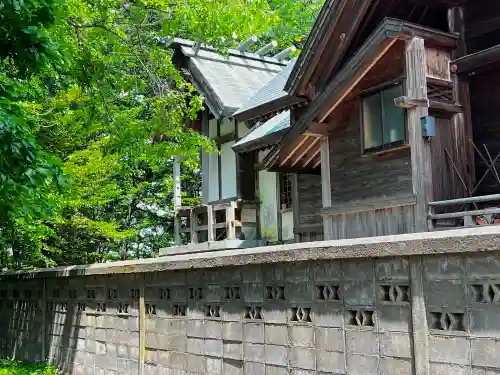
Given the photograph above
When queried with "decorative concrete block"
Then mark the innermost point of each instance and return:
(362, 342)
(359, 293)
(253, 332)
(395, 366)
(394, 318)
(303, 358)
(396, 345)
(362, 365)
(331, 339)
(276, 355)
(448, 369)
(452, 350)
(485, 352)
(276, 334)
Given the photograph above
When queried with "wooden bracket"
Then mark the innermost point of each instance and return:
(407, 102)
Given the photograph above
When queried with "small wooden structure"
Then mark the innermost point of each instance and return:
(221, 221)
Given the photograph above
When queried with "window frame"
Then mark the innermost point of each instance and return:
(285, 194)
(385, 147)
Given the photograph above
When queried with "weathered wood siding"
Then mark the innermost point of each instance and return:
(448, 145)
(357, 178)
(381, 222)
(309, 205)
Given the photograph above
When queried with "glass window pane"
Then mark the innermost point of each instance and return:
(394, 117)
(372, 121)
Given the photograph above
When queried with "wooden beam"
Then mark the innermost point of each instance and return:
(306, 150)
(406, 102)
(357, 78)
(445, 107)
(220, 140)
(313, 156)
(289, 156)
(468, 63)
(416, 86)
(318, 129)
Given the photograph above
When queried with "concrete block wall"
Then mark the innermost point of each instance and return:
(320, 317)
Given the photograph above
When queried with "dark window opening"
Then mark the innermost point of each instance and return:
(285, 191)
(384, 124)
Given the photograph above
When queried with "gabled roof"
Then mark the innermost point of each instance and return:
(264, 134)
(272, 97)
(226, 82)
(379, 42)
(342, 27)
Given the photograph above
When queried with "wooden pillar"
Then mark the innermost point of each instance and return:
(210, 223)
(295, 205)
(416, 71)
(205, 160)
(416, 85)
(461, 96)
(326, 188)
(177, 200)
(44, 321)
(230, 221)
(193, 218)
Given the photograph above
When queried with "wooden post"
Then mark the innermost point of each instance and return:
(461, 96)
(416, 71)
(44, 321)
(230, 224)
(177, 200)
(210, 223)
(295, 205)
(416, 85)
(326, 188)
(193, 218)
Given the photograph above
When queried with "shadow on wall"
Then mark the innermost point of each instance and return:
(25, 325)
(89, 323)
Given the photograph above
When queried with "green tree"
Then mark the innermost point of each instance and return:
(86, 90)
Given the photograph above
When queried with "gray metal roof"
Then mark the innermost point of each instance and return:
(263, 134)
(272, 91)
(227, 82)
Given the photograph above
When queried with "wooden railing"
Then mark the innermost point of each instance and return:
(463, 216)
(207, 223)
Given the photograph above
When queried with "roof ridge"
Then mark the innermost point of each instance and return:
(231, 51)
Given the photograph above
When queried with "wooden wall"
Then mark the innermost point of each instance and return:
(355, 176)
(310, 205)
(372, 194)
(370, 223)
(448, 145)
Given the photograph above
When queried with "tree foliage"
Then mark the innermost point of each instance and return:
(86, 87)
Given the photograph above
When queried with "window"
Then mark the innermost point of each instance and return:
(383, 122)
(285, 191)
